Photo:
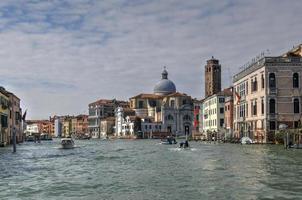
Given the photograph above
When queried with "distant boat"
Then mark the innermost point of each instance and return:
(30, 138)
(67, 143)
(296, 146)
(246, 140)
(169, 140)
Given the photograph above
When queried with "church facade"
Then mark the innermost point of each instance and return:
(172, 109)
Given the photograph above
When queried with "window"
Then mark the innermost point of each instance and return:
(221, 111)
(272, 80)
(197, 117)
(140, 104)
(146, 127)
(295, 80)
(169, 117)
(4, 121)
(262, 106)
(272, 106)
(296, 106)
(221, 100)
(272, 125)
(221, 122)
(150, 127)
(254, 108)
(173, 103)
(262, 81)
(255, 84)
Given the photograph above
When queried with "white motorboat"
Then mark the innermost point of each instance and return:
(67, 143)
(246, 140)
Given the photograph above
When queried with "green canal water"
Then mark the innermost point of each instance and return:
(144, 169)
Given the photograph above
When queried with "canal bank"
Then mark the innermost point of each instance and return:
(144, 169)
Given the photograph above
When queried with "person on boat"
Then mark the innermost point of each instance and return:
(186, 144)
(181, 145)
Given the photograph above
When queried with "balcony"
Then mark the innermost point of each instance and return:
(273, 91)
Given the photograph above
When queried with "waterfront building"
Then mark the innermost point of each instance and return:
(58, 127)
(4, 117)
(32, 128)
(81, 125)
(124, 122)
(213, 114)
(101, 109)
(15, 118)
(212, 77)
(107, 126)
(173, 109)
(67, 127)
(268, 93)
(197, 132)
(228, 115)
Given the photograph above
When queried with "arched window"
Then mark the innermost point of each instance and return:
(272, 80)
(295, 80)
(296, 106)
(172, 103)
(272, 106)
(169, 117)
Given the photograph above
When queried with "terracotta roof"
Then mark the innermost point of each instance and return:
(107, 102)
(147, 96)
(178, 94)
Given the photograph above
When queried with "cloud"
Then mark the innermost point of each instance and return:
(60, 55)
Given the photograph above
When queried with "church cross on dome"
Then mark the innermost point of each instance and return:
(164, 73)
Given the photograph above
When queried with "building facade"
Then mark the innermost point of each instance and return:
(212, 77)
(228, 115)
(4, 118)
(214, 114)
(267, 94)
(173, 109)
(99, 110)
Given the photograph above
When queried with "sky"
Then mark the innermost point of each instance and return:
(60, 55)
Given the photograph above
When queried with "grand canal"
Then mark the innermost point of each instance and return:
(144, 169)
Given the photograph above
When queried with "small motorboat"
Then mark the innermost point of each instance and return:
(246, 140)
(296, 146)
(184, 145)
(67, 143)
(169, 140)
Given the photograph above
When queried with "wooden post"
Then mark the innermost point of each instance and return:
(14, 140)
(287, 140)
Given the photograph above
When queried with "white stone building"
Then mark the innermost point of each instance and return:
(172, 109)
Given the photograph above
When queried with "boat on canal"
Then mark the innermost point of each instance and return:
(246, 140)
(169, 140)
(67, 143)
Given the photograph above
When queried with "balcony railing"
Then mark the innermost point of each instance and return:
(273, 91)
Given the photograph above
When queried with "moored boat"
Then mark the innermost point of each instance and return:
(246, 140)
(67, 143)
(169, 140)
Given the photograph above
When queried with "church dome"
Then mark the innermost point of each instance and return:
(164, 86)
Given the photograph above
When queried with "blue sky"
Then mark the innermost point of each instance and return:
(60, 55)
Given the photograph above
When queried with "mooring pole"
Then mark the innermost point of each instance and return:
(287, 140)
(14, 140)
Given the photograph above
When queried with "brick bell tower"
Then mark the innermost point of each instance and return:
(212, 77)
